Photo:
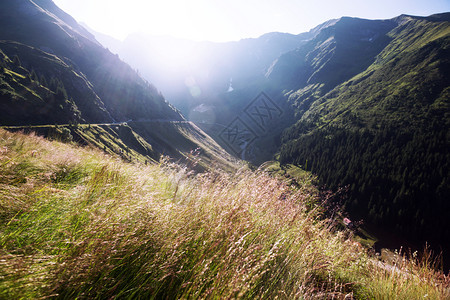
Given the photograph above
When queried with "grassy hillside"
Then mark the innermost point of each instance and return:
(118, 139)
(385, 135)
(186, 142)
(78, 224)
(143, 142)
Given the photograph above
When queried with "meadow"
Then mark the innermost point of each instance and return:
(77, 223)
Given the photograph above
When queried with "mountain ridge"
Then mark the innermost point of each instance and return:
(365, 106)
(51, 7)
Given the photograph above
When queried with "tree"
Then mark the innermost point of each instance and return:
(43, 81)
(34, 76)
(53, 84)
(16, 61)
(61, 92)
(66, 135)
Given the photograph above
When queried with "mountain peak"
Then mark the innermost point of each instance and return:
(51, 8)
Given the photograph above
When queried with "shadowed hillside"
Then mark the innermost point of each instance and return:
(385, 134)
(124, 94)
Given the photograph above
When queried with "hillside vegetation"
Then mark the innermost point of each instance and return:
(39, 88)
(76, 223)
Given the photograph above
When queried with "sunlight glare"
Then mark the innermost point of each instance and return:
(195, 20)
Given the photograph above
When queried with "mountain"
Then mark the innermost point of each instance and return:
(210, 68)
(383, 131)
(212, 83)
(113, 44)
(66, 76)
(339, 52)
(124, 94)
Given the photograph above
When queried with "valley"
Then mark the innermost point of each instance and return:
(363, 104)
(282, 166)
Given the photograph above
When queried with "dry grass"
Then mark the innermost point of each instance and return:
(78, 224)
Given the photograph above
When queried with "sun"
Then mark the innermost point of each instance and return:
(195, 19)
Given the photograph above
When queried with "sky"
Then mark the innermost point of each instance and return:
(231, 20)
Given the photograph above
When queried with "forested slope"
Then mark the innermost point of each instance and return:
(385, 134)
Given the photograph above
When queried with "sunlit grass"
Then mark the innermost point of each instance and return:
(79, 224)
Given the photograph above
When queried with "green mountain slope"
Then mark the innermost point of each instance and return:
(186, 142)
(124, 93)
(39, 88)
(144, 142)
(385, 134)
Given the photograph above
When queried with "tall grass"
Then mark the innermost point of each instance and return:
(78, 224)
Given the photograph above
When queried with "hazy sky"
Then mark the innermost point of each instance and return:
(225, 20)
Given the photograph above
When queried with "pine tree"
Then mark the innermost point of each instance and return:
(61, 92)
(28, 79)
(53, 84)
(16, 61)
(34, 76)
(43, 81)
